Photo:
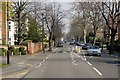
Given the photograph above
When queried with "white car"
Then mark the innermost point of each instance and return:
(94, 50)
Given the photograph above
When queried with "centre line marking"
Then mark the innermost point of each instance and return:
(46, 57)
(97, 71)
(74, 63)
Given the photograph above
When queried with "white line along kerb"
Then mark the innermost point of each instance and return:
(97, 71)
(40, 63)
(89, 63)
(43, 61)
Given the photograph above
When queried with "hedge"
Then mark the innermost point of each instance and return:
(22, 50)
(3, 51)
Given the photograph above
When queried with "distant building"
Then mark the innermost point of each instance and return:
(115, 25)
(100, 33)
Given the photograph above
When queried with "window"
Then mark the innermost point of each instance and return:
(9, 39)
(9, 22)
(9, 27)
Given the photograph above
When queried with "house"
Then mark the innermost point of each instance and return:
(11, 32)
(100, 33)
(6, 31)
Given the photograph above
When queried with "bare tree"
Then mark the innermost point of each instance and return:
(76, 29)
(82, 11)
(110, 11)
(95, 17)
(53, 15)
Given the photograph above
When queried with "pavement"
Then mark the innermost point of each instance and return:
(64, 63)
(21, 64)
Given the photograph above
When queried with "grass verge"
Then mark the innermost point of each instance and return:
(2, 65)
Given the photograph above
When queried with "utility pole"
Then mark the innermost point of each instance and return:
(43, 34)
(8, 52)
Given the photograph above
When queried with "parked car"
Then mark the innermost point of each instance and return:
(71, 43)
(82, 44)
(94, 50)
(60, 44)
(86, 46)
(77, 43)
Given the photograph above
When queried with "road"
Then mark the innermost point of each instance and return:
(63, 63)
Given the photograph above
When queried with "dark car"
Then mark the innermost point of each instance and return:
(77, 43)
(59, 44)
(71, 43)
(86, 46)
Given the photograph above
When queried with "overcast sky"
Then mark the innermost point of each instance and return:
(66, 6)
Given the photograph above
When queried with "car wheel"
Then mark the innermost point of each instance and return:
(99, 54)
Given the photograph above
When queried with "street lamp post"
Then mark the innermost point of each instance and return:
(43, 34)
(8, 52)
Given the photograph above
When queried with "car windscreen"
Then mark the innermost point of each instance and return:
(94, 47)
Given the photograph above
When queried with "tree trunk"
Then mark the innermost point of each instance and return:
(19, 29)
(84, 36)
(111, 49)
(94, 40)
(50, 37)
(54, 42)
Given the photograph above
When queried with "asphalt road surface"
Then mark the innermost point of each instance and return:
(64, 63)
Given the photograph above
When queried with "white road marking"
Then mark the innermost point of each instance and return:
(97, 71)
(84, 56)
(91, 56)
(85, 59)
(46, 57)
(89, 63)
(81, 57)
(64, 52)
(74, 61)
(38, 65)
(43, 61)
(78, 56)
(55, 49)
(75, 64)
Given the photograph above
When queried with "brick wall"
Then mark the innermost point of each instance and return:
(4, 30)
(34, 47)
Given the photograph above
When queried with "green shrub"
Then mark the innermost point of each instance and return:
(22, 50)
(16, 51)
(3, 51)
(104, 46)
(12, 49)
